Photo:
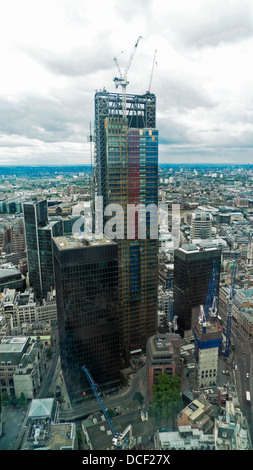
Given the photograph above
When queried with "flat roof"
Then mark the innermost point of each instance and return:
(68, 242)
(13, 344)
(54, 437)
(4, 272)
(101, 435)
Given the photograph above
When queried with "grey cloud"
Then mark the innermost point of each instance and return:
(79, 62)
(75, 64)
(181, 94)
(171, 132)
(46, 119)
(228, 24)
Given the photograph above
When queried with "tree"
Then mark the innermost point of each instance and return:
(166, 398)
(5, 399)
(22, 399)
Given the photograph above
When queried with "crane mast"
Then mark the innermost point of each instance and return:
(151, 76)
(122, 79)
(211, 299)
(210, 304)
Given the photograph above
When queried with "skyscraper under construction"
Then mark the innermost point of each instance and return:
(126, 173)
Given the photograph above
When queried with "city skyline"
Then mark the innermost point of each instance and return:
(54, 57)
(50, 345)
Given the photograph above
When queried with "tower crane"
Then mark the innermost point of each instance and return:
(118, 440)
(209, 308)
(122, 79)
(210, 304)
(230, 304)
(172, 318)
(211, 299)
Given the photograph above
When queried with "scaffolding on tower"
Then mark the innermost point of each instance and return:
(207, 330)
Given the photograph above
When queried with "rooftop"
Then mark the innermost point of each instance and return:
(9, 272)
(50, 436)
(13, 344)
(101, 436)
(162, 344)
(69, 242)
(41, 408)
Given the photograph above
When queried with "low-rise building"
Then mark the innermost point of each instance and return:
(163, 356)
(231, 430)
(186, 438)
(42, 430)
(22, 309)
(22, 365)
(11, 278)
(98, 435)
(197, 415)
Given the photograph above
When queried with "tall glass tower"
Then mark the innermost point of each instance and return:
(193, 265)
(39, 232)
(126, 173)
(86, 279)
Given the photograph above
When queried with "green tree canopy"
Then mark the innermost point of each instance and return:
(166, 397)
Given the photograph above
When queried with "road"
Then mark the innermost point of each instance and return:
(243, 360)
(47, 383)
(123, 398)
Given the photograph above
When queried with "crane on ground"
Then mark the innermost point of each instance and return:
(119, 440)
(230, 304)
(122, 79)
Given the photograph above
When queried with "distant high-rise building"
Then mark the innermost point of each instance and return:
(126, 172)
(86, 280)
(208, 342)
(193, 267)
(201, 225)
(39, 232)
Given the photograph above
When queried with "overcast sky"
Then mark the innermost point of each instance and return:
(56, 53)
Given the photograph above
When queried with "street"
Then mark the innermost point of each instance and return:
(124, 397)
(243, 365)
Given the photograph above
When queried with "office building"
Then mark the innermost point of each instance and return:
(126, 173)
(86, 279)
(208, 343)
(163, 357)
(23, 365)
(24, 312)
(11, 278)
(197, 415)
(39, 232)
(201, 225)
(193, 267)
(186, 438)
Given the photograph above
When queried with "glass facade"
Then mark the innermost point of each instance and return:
(192, 272)
(35, 215)
(39, 234)
(127, 174)
(86, 278)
